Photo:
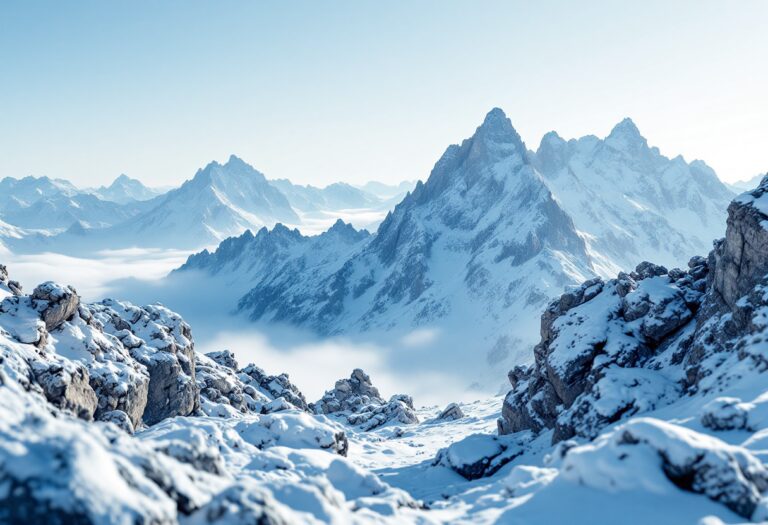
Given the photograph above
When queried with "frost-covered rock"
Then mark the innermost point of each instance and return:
(59, 303)
(67, 385)
(222, 393)
(450, 413)
(93, 359)
(273, 386)
(480, 455)
(643, 450)
(359, 402)
(161, 341)
(8, 287)
(598, 357)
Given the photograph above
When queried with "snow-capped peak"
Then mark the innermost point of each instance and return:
(497, 128)
(625, 136)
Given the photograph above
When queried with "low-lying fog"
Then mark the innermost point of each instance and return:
(397, 363)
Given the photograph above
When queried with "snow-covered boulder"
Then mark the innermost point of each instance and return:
(726, 413)
(359, 402)
(62, 468)
(450, 413)
(244, 503)
(645, 452)
(59, 303)
(480, 455)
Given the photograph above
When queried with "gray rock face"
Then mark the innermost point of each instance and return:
(359, 402)
(162, 342)
(594, 338)
(740, 259)
(67, 386)
(12, 286)
(451, 413)
(59, 303)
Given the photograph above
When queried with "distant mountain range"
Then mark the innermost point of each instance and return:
(125, 190)
(478, 250)
(220, 201)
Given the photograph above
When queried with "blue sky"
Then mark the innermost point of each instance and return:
(325, 91)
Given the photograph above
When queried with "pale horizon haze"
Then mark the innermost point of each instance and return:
(358, 91)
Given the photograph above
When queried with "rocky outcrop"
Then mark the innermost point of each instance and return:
(6, 285)
(59, 303)
(96, 359)
(67, 386)
(740, 259)
(359, 402)
(161, 341)
(613, 349)
(222, 392)
(450, 413)
(595, 339)
(279, 386)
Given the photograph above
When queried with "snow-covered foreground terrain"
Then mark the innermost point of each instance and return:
(646, 402)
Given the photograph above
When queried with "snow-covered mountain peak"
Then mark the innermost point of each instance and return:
(496, 135)
(235, 169)
(346, 231)
(125, 190)
(626, 137)
(553, 152)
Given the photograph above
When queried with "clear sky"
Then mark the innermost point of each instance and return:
(357, 90)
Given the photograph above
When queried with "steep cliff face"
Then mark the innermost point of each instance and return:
(610, 350)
